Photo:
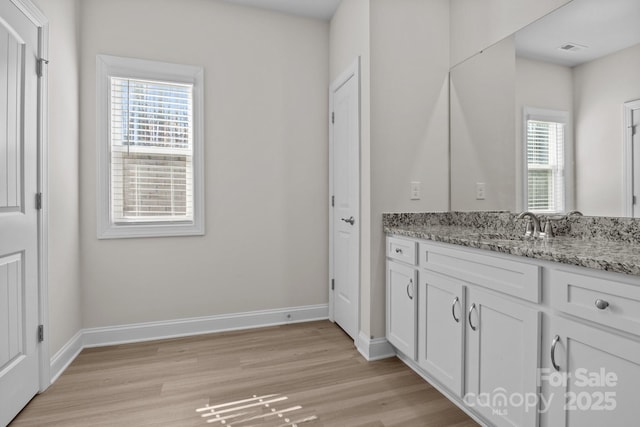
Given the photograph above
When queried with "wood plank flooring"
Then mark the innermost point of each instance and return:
(314, 365)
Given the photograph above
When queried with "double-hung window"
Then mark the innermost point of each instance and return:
(150, 148)
(545, 145)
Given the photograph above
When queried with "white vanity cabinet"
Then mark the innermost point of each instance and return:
(596, 378)
(487, 326)
(593, 347)
(402, 295)
(441, 322)
(502, 338)
(493, 348)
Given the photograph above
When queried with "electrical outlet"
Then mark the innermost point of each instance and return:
(481, 191)
(415, 190)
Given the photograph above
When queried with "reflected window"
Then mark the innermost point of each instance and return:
(545, 159)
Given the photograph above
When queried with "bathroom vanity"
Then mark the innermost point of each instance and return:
(519, 331)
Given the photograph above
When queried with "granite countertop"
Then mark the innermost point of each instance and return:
(593, 242)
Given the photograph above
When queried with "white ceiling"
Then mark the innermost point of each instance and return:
(319, 9)
(603, 26)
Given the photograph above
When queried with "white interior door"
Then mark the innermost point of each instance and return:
(345, 200)
(634, 136)
(19, 364)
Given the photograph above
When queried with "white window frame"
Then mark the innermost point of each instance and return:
(544, 114)
(108, 66)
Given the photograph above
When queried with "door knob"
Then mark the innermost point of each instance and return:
(349, 220)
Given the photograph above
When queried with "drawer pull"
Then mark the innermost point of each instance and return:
(453, 309)
(601, 304)
(553, 352)
(473, 307)
(398, 250)
(409, 285)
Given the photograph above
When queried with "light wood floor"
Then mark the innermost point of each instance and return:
(314, 365)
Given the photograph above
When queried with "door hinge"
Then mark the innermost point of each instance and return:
(40, 333)
(38, 201)
(333, 117)
(333, 201)
(40, 62)
(333, 284)
(634, 200)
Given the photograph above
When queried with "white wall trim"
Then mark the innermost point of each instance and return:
(67, 354)
(374, 349)
(140, 332)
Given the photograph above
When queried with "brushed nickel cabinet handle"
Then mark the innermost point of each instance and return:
(410, 284)
(601, 304)
(398, 250)
(453, 309)
(553, 353)
(473, 307)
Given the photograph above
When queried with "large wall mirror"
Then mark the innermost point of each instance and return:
(543, 120)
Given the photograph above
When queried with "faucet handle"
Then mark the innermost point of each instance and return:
(547, 230)
(529, 230)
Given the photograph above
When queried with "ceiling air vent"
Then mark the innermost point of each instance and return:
(572, 47)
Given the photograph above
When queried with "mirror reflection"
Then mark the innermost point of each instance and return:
(544, 119)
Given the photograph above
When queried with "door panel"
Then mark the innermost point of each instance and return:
(585, 352)
(440, 331)
(12, 326)
(11, 51)
(19, 364)
(502, 357)
(402, 307)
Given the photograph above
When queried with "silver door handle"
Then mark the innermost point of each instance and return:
(473, 307)
(410, 284)
(453, 309)
(553, 353)
(350, 220)
(601, 304)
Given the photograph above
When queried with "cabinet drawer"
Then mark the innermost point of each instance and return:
(509, 277)
(607, 302)
(402, 250)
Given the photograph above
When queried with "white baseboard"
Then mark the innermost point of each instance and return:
(67, 354)
(374, 349)
(99, 337)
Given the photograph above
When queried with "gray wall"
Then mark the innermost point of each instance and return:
(266, 163)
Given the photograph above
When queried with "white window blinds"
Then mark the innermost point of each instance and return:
(545, 166)
(151, 149)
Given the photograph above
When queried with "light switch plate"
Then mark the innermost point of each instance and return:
(481, 191)
(415, 190)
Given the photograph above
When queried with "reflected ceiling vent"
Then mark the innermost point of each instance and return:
(572, 47)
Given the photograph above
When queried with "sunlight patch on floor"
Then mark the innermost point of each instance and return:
(271, 410)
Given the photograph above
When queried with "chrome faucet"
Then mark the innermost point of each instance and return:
(536, 224)
(576, 213)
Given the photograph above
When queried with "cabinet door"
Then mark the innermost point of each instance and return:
(401, 308)
(502, 350)
(603, 374)
(441, 323)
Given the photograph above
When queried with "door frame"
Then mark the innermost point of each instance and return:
(35, 15)
(352, 71)
(627, 163)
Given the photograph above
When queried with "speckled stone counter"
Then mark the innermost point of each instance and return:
(603, 243)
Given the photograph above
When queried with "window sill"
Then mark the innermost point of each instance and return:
(116, 231)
